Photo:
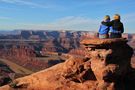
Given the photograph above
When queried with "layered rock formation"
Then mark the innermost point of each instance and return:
(104, 69)
(110, 62)
(23, 56)
(5, 74)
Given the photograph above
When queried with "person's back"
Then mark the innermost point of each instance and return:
(117, 27)
(104, 29)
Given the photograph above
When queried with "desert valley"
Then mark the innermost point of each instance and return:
(25, 52)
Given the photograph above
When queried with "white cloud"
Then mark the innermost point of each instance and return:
(4, 18)
(74, 22)
(66, 23)
(23, 2)
(95, 2)
(129, 18)
(70, 23)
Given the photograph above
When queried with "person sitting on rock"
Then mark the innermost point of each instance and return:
(104, 28)
(116, 27)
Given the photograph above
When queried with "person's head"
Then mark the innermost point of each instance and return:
(116, 17)
(107, 18)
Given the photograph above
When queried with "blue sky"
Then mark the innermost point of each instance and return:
(64, 14)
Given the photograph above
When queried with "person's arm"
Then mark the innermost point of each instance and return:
(107, 23)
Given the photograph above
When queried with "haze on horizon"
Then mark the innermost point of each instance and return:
(64, 14)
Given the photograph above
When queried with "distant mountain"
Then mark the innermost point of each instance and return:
(9, 32)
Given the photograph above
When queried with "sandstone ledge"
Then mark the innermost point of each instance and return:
(103, 41)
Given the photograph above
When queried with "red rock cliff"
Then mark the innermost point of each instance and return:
(105, 69)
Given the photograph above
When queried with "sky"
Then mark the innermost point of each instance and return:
(64, 14)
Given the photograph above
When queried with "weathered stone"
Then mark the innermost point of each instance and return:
(104, 69)
(110, 61)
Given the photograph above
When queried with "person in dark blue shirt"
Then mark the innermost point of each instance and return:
(117, 27)
(104, 28)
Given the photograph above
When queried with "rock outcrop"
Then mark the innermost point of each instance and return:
(104, 68)
(110, 61)
(5, 74)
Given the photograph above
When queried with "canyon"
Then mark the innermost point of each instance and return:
(106, 67)
(33, 51)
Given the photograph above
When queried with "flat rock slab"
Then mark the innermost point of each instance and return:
(102, 42)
